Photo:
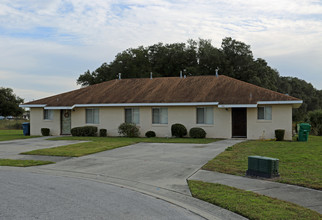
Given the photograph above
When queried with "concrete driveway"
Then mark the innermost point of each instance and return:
(157, 164)
(12, 149)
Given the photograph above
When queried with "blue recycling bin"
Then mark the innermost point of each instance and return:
(26, 128)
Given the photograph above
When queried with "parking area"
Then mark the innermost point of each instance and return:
(158, 164)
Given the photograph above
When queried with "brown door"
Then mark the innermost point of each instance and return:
(239, 122)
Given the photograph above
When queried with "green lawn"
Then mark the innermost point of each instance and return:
(22, 163)
(249, 204)
(98, 144)
(300, 163)
(7, 135)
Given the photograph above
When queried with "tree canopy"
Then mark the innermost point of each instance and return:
(200, 57)
(9, 103)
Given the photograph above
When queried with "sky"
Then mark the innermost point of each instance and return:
(46, 45)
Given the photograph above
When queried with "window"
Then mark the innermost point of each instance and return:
(264, 113)
(205, 115)
(92, 116)
(159, 115)
(132, 115)
(48, 114)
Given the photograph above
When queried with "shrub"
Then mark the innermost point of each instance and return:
(178, 130)
(279, 134)
(128, 130)
(84, 131)
(315, 119)
(150, 134)
(103, 132)
(75, 131)
(45, 131)
(197, 133)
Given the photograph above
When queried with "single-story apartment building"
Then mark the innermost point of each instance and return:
(223, 106)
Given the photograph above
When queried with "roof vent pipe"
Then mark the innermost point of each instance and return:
(119, 75)
(151, 75)
(180, 74)
(217, 72)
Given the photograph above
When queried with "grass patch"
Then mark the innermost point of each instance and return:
(249, 204)
(23, 163)
(7, 135)
(77, 150)
(98, 144)
(300, 163)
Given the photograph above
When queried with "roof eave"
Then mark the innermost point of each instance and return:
(294, 103)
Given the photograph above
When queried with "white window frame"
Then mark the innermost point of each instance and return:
(48, 114)
(268, 113)
(135, 115)
(208, 115)
(93, 121)
(163, 119)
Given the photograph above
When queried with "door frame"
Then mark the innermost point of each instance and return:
(232, 123)
(62, 112)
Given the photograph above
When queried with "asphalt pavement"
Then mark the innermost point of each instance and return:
(27, 196)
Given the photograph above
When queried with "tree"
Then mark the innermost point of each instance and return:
(9, 103)
(234, 58)
(315, 119)
(238, 58)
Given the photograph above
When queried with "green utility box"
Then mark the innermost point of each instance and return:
(303, 131)
(262, 166)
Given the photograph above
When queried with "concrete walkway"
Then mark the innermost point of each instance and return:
(302, 196)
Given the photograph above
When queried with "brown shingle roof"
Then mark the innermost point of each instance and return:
(223, 89)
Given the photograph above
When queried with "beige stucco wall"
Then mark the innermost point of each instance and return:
(111, 117)
(37, 122)
(281, 119)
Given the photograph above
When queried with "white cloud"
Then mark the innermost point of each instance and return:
(64, 38)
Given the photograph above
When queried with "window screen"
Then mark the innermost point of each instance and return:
(160, 116)
(264, 113)
(132, 115)
(92, 116)
(48, 114)
(205, 115)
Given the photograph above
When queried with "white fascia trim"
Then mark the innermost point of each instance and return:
(31, 106)
(58, 107)
(146, 104)
(238, 106)
(279, 102)
(125, 105)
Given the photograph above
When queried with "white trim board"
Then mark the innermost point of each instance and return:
(124, 105)
(238, 106)
(32, 106)
(279, 102)
(167, 104)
